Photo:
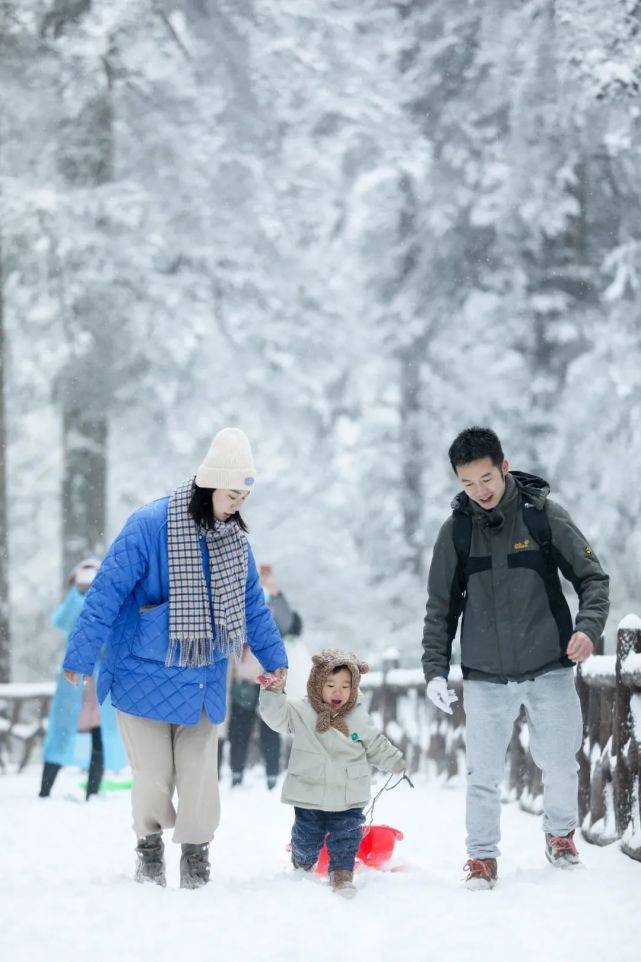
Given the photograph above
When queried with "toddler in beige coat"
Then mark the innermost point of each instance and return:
(328, 776)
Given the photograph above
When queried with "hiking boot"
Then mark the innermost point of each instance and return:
(150, 866)
(481, 873)
(342, 882)
(236, 779)
(194, 865)
(560, 850)
(271, 782)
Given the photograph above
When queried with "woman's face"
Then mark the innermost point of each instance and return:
(227, 503)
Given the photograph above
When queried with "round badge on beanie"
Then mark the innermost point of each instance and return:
(229, 463)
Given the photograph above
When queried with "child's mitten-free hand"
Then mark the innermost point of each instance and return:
(273, 680)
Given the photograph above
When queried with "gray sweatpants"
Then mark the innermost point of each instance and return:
(165, 757)
(554, 721)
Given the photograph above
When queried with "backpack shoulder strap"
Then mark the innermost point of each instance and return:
(538, 524)
(462, 538)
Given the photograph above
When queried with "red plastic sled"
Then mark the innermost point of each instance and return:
(376, 848)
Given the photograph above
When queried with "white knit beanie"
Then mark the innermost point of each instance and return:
(229, 463)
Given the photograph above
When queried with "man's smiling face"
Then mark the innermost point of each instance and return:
(483, 481)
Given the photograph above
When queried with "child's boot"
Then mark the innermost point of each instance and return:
(342, 882)
(301, 866)
(150, 866)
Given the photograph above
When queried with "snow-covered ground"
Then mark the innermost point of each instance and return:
(67, 895)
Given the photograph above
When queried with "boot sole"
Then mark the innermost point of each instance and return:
(346, 893)
(147, 880)
(480, 884)
(189, 882)
(563, 864)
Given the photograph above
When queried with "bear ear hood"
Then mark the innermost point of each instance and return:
(330, 658)
(324, 664)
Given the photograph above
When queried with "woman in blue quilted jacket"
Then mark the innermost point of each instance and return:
(178, 593)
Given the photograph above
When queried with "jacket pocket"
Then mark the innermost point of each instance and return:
(357, 789)
(309, 766)
(305, 780)
(151, 639)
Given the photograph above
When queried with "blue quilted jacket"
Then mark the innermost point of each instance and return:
(135, 575)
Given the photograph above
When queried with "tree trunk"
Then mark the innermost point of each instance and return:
(5, 638)
(84, 488)
(86, 161)
(412, 456)
(412, 415)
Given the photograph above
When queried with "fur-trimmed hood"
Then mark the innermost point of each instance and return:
(325, 662)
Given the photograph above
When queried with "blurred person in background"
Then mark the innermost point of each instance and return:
(245, 690)
(76, 710)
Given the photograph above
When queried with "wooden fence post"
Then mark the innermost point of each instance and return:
(625, 739)
(391, 660)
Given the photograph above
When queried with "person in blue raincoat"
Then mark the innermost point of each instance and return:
(178, 593)
(75, 710)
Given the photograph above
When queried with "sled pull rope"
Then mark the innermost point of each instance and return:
(369, 811)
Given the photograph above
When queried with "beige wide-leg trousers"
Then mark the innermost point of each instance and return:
(165, 757)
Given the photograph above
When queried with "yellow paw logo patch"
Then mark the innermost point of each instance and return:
(521, 545)
(588, 551)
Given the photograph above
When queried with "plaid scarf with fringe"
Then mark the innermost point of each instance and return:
(190, 628)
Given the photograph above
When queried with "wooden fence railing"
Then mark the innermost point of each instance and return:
(23, 717)
(609, 688)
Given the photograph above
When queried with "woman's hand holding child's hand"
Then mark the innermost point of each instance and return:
(273, 680)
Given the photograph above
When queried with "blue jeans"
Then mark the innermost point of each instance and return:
(341, 831)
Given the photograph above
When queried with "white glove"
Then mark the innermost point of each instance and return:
(440, 695)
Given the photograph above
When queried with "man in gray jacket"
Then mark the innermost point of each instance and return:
(496, 561)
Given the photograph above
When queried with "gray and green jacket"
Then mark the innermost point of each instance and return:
(327, 770)
(509, 630)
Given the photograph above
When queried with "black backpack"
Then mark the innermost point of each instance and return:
(547, 563)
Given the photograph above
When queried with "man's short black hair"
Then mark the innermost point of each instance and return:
(475, 443)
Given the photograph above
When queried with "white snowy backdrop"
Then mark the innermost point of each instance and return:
(351, 227)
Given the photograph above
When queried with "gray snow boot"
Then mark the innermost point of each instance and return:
(150, 866)
(194, 865)
(342, 882)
